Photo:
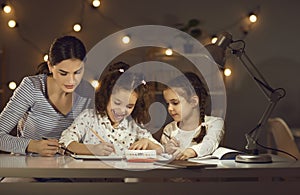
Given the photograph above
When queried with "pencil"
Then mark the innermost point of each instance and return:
(168, 136)
(98, 136)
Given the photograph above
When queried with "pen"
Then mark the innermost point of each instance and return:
(61, 147)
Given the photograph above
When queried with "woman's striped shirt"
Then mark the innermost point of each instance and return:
(30, 109)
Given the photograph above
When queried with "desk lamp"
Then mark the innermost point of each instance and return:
(217, 51)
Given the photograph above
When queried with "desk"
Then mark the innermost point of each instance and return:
(280, 176)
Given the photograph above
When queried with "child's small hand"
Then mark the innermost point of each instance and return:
(172, 145)
(142, 144)
(186, 154)
(103, 149)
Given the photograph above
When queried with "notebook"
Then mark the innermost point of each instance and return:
(185, 164)
(221, 153)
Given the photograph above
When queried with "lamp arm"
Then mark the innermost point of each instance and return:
(253, 135)
(254, 73)
(273, 96)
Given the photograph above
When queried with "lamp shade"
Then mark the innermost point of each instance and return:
(218, 49)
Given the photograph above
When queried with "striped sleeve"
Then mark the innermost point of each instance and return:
(21, 100)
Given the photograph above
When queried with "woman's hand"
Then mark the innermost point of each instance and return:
(142, 144)
(43, 147)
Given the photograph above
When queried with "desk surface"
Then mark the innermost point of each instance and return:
(273, 178)
(65, 166)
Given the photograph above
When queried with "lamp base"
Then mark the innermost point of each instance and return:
(253, 158)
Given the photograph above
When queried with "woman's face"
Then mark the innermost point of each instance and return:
(68, 74)
(178, 107)
(121, 104)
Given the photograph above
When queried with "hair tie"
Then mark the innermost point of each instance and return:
(144, 82)
(121, 70)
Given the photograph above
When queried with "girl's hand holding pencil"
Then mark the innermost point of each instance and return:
(172, 144)
(104, 148)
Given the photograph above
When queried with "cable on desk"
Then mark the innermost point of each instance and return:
(277, 150)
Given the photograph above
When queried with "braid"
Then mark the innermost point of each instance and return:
(202, 93)
(202, 133)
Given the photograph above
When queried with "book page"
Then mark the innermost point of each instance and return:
(221, 153)
(225, 153)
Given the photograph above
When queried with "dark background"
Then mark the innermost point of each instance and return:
(272, 43)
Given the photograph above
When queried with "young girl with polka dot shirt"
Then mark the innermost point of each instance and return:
(112, 127)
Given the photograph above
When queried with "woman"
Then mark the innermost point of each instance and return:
(45, 104)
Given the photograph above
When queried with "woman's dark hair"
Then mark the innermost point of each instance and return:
(118, 77)
(190, 84)
(63, 48)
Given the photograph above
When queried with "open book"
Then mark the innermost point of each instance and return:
(221, 153)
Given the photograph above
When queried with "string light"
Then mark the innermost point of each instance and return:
(96, 3)
(214, 39)
(77, 27)
(126, 39)
(6, 8)
(95, 83)
(227, 72)
(12, 23)
(252, 18)
(169, 52)
(46, 57)
(12, 85)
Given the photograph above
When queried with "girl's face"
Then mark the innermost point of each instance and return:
(67, 74)
(121, 105)
(179, 108)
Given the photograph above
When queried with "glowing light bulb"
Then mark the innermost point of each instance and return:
(6, 9)
(126, 39)
(96, 3)
(95, 83)
(46, 57)
(77, 27)
(12, 23)
(169, 52)
(252, 18)
(214, 39)
(227, 72)
(12, 85)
